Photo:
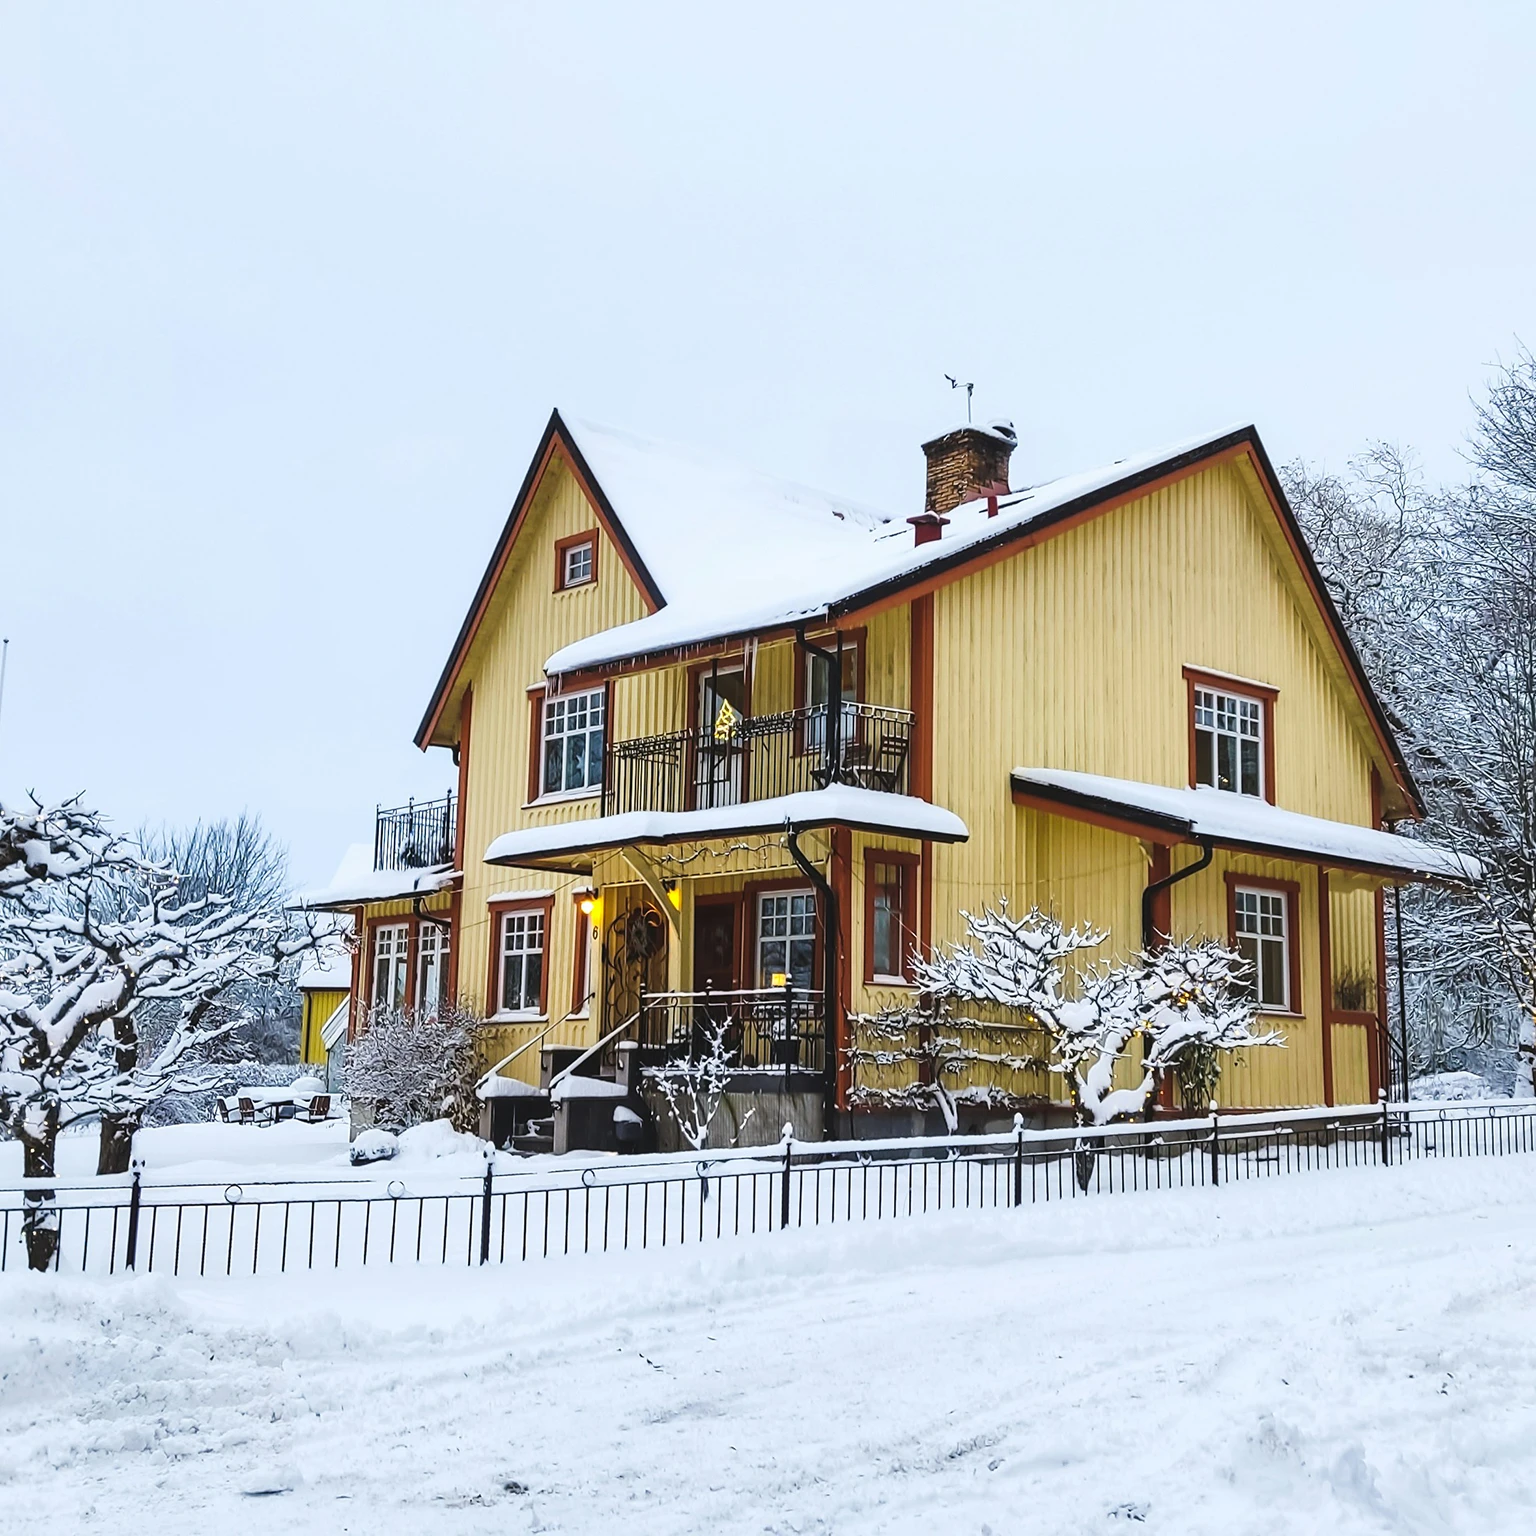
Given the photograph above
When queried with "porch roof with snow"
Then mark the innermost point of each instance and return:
(572, 844)
(1226, 820)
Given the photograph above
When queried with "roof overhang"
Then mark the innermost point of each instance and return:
(379, 885)
(1157, 814)
(572, 845)
(557, 442)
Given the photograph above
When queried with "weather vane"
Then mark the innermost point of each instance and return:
(969, 389)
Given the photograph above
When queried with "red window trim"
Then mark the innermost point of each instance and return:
(1292, 892)
(1238, 687)
(371, 927)
(909, 864)
(570, 542)
(537, 693)
(535, 739)
(497, 911)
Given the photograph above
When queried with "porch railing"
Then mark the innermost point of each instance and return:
(759, 757)
(416, 835)
(776, 1029)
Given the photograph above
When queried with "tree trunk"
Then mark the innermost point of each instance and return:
(118, 1126)
(1525, 1057)
(39, 1134)
(117, 1140)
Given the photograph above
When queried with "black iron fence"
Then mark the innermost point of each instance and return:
(167, 1228)
(772, 1029)
(416, 835)
(759, 757)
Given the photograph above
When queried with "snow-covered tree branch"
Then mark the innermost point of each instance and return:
(93, 934)
(1189, 1005)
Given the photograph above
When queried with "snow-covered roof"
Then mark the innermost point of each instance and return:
(736, 553)
(356, 881)
(326, 970)
(1241, 821)
(841, 805)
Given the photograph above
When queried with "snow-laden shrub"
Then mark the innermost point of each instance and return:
(416, 1065)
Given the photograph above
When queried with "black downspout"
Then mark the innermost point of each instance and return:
(1151, 893)
(834, 661)
(829, 979)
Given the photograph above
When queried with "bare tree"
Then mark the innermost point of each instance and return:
(694, 1085)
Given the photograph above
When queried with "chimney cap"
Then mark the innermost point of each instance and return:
(1000, 429)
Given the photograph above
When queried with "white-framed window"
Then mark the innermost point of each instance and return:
(391, 947)
(577, 562)
(1229, 742)
(522, 962)
(786, 937)
(573, 742)
(431, 967)
(1262, 924)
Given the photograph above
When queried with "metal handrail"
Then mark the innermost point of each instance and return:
(592, 1050)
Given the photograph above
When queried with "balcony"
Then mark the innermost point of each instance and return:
(760, 757)
(417, 835)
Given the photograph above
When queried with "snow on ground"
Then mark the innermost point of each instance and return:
(219, 1153)
(1348, 1351)
(1452, 1087)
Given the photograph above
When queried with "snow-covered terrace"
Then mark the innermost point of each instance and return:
(1241, 822)
(356, 881)
(736, 553)
(571, 845)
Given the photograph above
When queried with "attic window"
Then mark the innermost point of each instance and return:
(575, 562)
(1231, 735)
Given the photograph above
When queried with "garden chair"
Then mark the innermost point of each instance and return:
(318, 1109)
(247, 1112)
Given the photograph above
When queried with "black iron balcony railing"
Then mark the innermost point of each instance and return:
(759, 757)
(777, 1029)
(416, 835)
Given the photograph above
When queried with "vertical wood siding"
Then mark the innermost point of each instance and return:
(1071, 655)
(526, 622)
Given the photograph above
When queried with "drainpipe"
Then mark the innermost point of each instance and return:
(1151, 893)
(829, 980)
(834, 661)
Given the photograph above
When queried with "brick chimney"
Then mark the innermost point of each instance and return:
(963, 465)
(967, 464)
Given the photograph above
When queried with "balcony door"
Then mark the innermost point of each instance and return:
(719, 752)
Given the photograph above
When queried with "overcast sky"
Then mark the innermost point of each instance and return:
(287, 293)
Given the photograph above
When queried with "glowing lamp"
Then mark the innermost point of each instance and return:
(675, 896)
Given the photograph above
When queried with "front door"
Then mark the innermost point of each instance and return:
(714, 947)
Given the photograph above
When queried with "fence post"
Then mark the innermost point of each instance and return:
(1018, 1160)
(133, 1213)
(485, 1205)
(1215, 1148)
(789, 1152)
(1386, 1130)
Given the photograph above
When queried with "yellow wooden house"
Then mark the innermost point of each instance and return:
(728, 747)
